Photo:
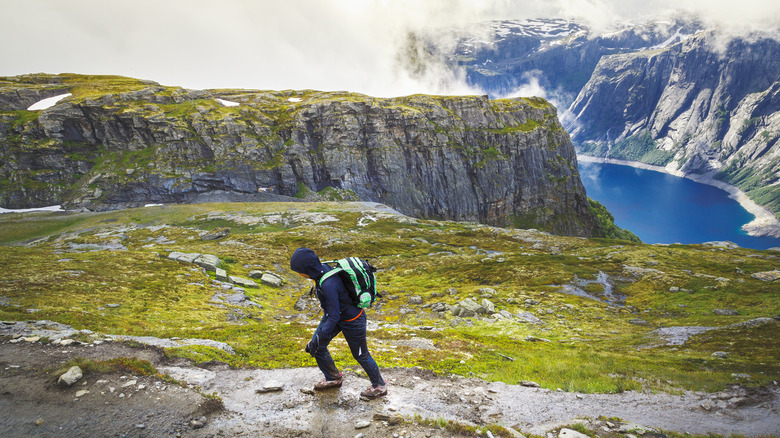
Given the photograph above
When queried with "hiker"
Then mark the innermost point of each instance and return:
(340, 315)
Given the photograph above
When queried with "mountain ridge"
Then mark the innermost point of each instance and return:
(124, 142)
(668, 92)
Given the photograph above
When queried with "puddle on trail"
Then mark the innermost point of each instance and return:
(608, 294)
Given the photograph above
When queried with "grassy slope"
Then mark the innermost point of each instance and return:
(592, 348)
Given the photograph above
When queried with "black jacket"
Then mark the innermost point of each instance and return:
(332, 294)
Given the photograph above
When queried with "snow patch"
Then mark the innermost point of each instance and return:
(227, 102)
(295, 99)
(154, 205)
(28, 210)
(677, 37)
(47, 103)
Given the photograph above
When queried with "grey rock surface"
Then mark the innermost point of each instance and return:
(73, 375)
(460, 158)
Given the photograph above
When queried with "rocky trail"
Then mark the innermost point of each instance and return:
(281, 403)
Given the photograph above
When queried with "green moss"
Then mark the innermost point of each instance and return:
(337, 195)
(130, 365)
(607, 226)
(528, 126)
(640, 147)
(592, 346)
(24, 117)
(303, 191)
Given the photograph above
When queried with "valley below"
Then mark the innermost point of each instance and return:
(763, 223)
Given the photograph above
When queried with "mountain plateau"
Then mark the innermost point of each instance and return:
(121, 142)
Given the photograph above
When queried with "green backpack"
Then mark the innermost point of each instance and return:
(358, 277)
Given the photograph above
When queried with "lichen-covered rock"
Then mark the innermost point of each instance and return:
(269, 279)
(243, 282)
(766, 275)
(503, 162)
(217, 233)
(208, 262)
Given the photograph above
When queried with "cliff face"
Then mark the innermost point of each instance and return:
(123, 142)
(666, 92)
(700, 106)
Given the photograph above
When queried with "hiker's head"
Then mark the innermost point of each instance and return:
(305, 261)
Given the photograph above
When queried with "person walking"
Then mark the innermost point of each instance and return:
(341, 315)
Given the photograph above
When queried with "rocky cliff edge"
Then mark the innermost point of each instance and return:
(121, 142)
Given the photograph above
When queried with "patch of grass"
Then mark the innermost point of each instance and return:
(640, 147)
(607, 223)
(66, 277)
(127, 365)
(461, 429)
(20, 227)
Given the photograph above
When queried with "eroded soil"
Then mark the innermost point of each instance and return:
(124, 405)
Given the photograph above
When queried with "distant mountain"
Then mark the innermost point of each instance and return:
(119, 142)
(667, 92)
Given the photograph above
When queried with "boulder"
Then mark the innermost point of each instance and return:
(487, 291)
(766, 275)
(415, 299)
(216, 233)
(208, 262)
(463, 312)
(471, 305)
(721, 244)
(269, 279)
(489, 307)
(236, 298)
(568, 433)
(175, 255)
(270, 386)
(241, 281)
(438, 307)
(70, 377)
(187, 257)
(221, 275)
(256, 274)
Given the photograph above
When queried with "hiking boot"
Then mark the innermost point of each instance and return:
(374, 391)
(328, 384)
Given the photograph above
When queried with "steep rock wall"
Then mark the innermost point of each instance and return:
(121, 142)
(708, 105)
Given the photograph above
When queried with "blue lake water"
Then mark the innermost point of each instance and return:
(661, 208)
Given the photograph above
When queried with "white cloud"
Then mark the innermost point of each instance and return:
(268, 44)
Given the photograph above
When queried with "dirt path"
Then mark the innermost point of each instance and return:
(132, 406)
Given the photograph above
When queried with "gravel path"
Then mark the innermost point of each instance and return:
(31, 404)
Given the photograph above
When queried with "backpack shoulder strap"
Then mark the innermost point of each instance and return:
(328, 274)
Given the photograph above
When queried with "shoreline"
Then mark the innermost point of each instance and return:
(764, 222)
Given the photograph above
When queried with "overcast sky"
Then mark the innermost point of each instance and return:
(287, 44)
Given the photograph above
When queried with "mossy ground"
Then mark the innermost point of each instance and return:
(69, 267)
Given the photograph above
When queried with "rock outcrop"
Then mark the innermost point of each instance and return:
(119, 142)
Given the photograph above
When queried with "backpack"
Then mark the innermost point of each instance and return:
(358, 277)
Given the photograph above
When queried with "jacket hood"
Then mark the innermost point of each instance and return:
(305, 261)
